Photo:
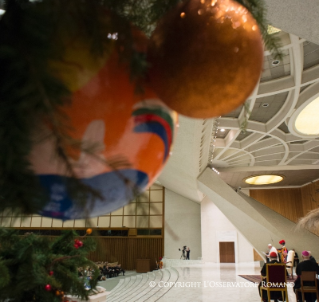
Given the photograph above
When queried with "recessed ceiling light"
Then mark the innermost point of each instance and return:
(275, 62)
(265, 105)
(307, 121)
(272, 30)
(222, 130)
(2, 11)
(263, 179)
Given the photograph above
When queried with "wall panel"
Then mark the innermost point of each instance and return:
(290, 203)
(126, 250)
(286, 202)
(146, 213)
(310, 197)
(138, 214)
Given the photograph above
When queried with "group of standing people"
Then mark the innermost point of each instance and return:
(308, 263)
(185, 252)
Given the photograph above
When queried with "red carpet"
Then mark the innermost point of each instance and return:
(257, 278)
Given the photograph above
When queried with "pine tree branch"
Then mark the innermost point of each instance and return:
(62, 259)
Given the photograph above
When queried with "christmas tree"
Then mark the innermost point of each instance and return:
(37, 268)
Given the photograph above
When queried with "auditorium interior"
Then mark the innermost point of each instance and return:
(203, 198)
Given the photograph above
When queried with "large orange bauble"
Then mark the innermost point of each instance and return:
(127, 135)
(206, 57)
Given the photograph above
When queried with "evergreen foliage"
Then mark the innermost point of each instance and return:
(25, 263)
(30, 95)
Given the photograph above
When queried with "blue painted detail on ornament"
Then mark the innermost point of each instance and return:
(158, 129)
(111, 186)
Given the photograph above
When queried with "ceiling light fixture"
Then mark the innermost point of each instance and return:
(265, 105)
(272, 30)
(307, 121)
(215, 170)
(275, 62)
(222, 130)
(263, 179)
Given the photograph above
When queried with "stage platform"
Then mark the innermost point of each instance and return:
(194, 282)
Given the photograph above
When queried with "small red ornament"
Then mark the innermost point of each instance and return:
(48, 287)
(51, 273)
(80, 243)
(76, 241)
(76, 245)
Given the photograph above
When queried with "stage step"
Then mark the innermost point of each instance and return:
(180, 263)
(138, 288)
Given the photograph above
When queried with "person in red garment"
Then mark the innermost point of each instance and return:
(283, 250)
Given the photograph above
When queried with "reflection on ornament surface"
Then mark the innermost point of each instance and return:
(206, 57)
(125, 138)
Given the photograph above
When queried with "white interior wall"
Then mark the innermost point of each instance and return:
(217, 228)
(182, 226)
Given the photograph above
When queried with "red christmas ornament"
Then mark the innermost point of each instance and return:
(80, 243)
(48, 287)
(76, 241)
(51, 273)
(76, 245)
(206, 57)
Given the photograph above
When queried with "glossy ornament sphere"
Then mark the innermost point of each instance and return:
(125, 135)
(89, 231)
(48, 287)
(206, 57)
(51, 273)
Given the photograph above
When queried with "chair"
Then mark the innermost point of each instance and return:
(276, 280)
(307, 277)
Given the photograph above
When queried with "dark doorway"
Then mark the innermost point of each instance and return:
(227, 252)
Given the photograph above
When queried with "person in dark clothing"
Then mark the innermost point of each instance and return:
(308, 266)
(312, 258)
(109, 273)
(120, 269)
(296, 259)
(187, 253)
(274, 295)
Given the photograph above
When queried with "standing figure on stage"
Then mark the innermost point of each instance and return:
(187, 253)
(183, 256)
(283, 250)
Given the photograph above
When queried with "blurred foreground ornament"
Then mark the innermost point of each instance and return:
(120, 137)
(206, 57)
(48, 287)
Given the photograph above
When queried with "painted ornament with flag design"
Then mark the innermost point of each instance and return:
(113, 122)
